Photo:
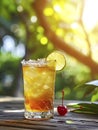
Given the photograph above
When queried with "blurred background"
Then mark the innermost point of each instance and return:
(32, 29)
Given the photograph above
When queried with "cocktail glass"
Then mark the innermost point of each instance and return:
(39, 86)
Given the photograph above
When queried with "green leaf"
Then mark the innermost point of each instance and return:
(94, 83)
(87, 108)
(89, 87)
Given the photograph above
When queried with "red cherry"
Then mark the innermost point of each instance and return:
(62, 110)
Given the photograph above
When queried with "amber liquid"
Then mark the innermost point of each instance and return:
(39, 87)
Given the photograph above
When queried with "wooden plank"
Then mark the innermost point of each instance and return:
(53, 124)
(46, 126)
(11, 117)
(12, 128)
(29, 124)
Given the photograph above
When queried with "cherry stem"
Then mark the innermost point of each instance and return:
(62, 96)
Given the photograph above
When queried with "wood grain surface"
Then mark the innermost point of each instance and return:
(12, 118)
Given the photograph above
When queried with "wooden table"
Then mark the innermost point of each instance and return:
(12, 118)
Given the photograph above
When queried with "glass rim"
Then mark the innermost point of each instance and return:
(39, 62)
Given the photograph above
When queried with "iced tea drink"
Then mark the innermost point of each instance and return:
(39, 85)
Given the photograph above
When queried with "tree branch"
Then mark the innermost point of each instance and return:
(81, 8)
(58, 42)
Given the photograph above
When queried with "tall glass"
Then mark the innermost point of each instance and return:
(39, 85)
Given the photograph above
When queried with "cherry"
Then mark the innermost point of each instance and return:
(62, 110)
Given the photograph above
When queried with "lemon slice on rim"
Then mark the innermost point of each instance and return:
(59, 58)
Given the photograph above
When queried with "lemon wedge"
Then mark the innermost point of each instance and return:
(59, 58)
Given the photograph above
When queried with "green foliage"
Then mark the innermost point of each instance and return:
(86, 108)
(91, 89)
(73, 76)
(8, 70)
(18, 19)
